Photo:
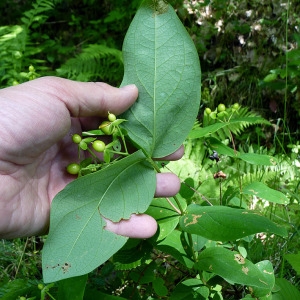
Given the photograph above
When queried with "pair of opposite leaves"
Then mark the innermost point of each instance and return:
(161, 59)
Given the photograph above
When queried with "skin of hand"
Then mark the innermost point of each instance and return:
(38, 120)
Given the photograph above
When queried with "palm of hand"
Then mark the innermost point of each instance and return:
(35, 149)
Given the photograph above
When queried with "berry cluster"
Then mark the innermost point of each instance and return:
(221, 113)
(91, 142)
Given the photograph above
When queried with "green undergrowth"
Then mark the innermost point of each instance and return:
(238, 158)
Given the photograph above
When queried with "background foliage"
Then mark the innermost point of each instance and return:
(249, 54)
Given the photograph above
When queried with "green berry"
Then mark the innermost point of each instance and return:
(22, 298)
(40, 286)
(73, 168)
(106, 127)
(111, 117)
(99, 146)
(221, 107)
(31, 68)
(76, 138)
(207, 110)
(236, 106)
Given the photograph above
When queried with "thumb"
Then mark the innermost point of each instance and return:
(85, 99)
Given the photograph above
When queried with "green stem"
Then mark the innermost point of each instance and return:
(50, 296)
(122, 138)
(120, 153)
(174, 207)
(190, 238)
(179, 205)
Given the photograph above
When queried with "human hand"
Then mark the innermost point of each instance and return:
(38, 119)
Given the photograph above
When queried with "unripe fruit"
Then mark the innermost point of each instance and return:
(31, 68)
(106, 127)
(207, 110)
(235, 106)
(111, 117)
(221, 107)
(99, 146)
(40, 286)
(73, 168)
(76, 138)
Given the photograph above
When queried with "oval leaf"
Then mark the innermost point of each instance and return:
(221, 223)
(234, 268)
(260, 190)
(258, 159)
(161, 59)
(77, 242)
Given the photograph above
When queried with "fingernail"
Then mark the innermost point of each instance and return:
(129, 87)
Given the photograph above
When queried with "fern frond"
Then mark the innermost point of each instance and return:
(235, 124)
(96, 62)
(36, 15)
(243, 119)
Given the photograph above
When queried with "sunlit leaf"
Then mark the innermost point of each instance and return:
(260, 190)
(161, 59)
(221, 223)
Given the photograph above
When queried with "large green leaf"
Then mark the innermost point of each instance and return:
(221, 223)
(161, 59)
(234, 268)
(260, 190)
(77, 242)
